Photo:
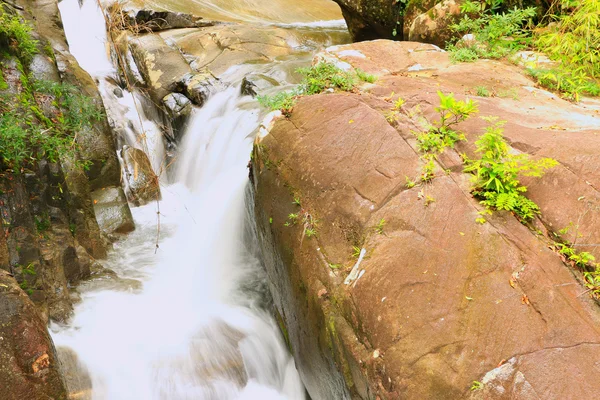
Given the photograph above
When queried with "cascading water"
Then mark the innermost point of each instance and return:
(189, 322)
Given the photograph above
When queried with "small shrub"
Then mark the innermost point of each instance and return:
(442, 133)
(482, 91)
(323, 76)
(496, 174)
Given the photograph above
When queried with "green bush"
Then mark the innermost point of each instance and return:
(497, 33)
(27, 134)
(574, 42)
(15, 35)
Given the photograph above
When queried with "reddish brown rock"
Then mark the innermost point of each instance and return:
(440, 300)
(28, 363)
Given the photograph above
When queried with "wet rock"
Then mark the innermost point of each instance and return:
(199, 87)
(433, 26)
(141, 182)
(255, 84)
(28, 363)
(76, 375)
(434, 299)
(112, 211)
(177, 105)
(154, 20)
(118, 92)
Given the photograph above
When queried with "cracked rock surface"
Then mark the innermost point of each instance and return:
(443, 300)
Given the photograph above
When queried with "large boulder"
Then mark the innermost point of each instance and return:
(439, 300)
(433, 26)
(373, 19)
(28, 364)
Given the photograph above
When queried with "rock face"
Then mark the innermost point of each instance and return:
(373, 19)
(28, 364)
(440, 300)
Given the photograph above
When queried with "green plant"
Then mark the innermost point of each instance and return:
(476, 386)
(334, 266)
(363, 76)
(482, 91)
(379, 226)
(409, 183)
(356, 251)
(27, 134)
(428, 200)
(297, 201)
(442, 133)
(42, 223)
(399, 103)
(310, 232)
(581, 259)
(428, 169)
(496, 174)
(323, 76)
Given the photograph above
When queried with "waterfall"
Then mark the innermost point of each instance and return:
(188, 322)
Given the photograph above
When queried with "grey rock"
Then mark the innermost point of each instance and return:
(177, 105)
(112, 211)
(255, 84)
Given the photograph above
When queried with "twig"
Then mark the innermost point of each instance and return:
(13, 5)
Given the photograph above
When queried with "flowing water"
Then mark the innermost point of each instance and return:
(192, 320)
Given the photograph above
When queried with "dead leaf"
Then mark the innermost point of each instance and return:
(41, 362)
(525, 300)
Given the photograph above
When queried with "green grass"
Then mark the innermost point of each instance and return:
(316, 79)
(363, 76)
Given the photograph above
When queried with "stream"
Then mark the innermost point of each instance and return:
(191, 320)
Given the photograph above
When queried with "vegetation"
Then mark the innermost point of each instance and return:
(38, 119)
(496, 173)
(15, 36)
(572, 40)
(495, 33)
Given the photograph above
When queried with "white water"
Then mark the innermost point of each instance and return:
(197, 328)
